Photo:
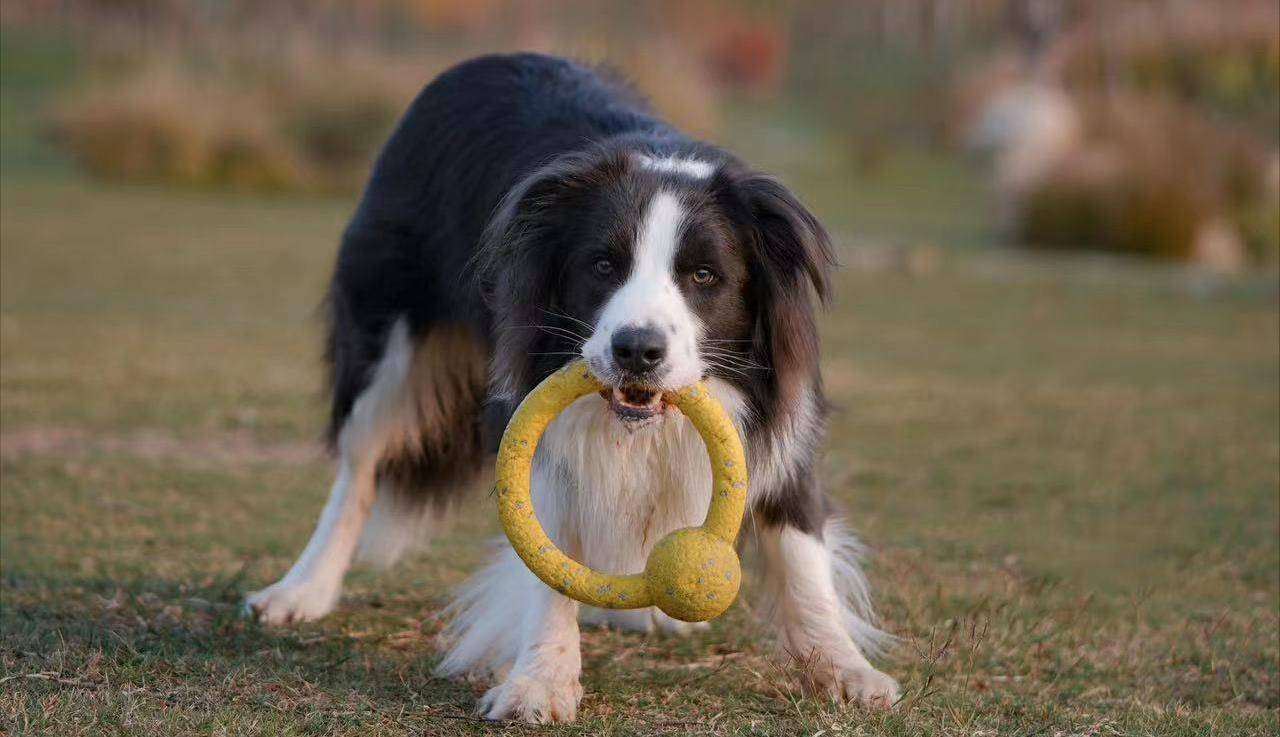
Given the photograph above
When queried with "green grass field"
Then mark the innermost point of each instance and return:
(1069, 471)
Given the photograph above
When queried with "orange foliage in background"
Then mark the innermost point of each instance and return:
(1086, 108)
(297, 95)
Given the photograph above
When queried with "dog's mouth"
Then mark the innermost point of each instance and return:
(633, 403)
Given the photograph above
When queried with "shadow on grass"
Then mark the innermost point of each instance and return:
(192, 644)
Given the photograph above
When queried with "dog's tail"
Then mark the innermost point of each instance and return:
(856, 612)
(484, 628)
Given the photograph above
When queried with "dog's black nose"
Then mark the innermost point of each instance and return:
(639, 350)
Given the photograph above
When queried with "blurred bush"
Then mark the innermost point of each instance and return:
(160, 126)
(1221, 58)
(1144, 128)
(1153, 178)
(298, 96)
(163, 72)
(245, 114)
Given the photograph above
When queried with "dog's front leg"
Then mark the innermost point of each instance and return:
(542, 685)
(815, 619)
(311, 587)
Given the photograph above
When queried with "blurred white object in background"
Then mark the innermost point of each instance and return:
(1025, 130)
(1218, 248)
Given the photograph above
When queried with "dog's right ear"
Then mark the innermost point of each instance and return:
(519, 258)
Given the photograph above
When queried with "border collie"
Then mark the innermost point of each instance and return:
(529, 210)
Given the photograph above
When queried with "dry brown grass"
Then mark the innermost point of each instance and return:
(293, 116)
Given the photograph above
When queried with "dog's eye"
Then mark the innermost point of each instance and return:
(702, 276)
(603, 267)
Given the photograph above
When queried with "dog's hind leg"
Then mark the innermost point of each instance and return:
(396, 417)
(311, 587)
(446, 449)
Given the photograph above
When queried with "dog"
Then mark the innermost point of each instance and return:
(528, 211)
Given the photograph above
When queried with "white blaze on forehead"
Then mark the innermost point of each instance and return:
(657, 239)
(650, 298)
(676, 165)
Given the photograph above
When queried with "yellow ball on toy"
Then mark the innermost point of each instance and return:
(693, 575)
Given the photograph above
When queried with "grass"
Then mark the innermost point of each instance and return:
(1070, 475)
(1069, 470)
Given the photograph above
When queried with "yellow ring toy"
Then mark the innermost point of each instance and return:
(692, 574)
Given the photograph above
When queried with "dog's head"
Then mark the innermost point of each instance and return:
(659, 270)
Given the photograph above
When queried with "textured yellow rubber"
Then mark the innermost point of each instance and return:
(693, 574)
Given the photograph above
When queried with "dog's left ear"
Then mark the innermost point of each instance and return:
(521, 253)
(791, 262)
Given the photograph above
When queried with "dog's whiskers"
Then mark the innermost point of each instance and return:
(583, 323)
(731, 359)
(559, 332)
(722, 367)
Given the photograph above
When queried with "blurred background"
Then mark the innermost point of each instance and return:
(1054, 354)
(1141, 128)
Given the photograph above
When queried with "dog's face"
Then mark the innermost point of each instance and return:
(659, 272)
(663, 302)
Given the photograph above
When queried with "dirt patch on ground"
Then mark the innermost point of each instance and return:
(208, 449)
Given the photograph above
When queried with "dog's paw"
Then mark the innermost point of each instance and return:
(532, 699)
(860, 685)
(287, 603)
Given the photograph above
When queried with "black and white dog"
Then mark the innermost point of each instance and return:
(526, 211)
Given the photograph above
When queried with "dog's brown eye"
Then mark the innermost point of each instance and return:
(603, 267)
(703, 276)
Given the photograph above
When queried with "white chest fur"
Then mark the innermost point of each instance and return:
(607, 493)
